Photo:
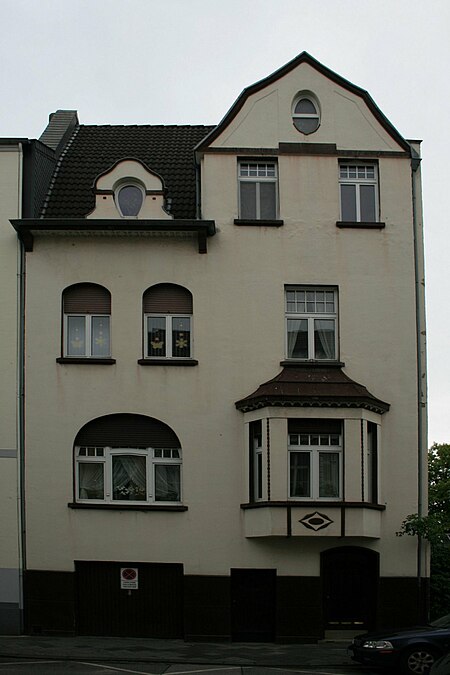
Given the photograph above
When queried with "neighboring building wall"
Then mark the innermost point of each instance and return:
(10, 206)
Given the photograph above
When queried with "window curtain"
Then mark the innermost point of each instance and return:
(90, 478)
(129, 478)
(167, 483)
(329, 474)
(324, 338)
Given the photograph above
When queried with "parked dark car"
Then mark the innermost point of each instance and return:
(411, 650)
(441, 666)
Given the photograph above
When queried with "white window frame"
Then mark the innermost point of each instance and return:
(310, 317)
(359, 181)
(306, 116)
(88, 319)
(106, 460)
(257, 180)
(169, 342)
(314, 452)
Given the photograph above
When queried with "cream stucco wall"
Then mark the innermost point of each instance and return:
(239, 341)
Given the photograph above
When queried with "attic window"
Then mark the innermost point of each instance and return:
(305, 114)
(129, 198)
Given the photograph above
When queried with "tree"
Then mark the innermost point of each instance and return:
(435, 527)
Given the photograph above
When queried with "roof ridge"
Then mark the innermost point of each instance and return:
(59, 162)
(147, 126)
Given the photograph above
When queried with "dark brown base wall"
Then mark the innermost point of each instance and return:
(51, 605)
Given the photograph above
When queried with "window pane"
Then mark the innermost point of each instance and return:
(329, 474)
(306, 124)
(348, 202)
(248, 200)
(156, 332)
(181, 336)
(100, 336)
(129, 477)
(367, 199)
(305, 106)
(76, 336)
(167, 483)
(130, 199)
(297, 338)
(259, 474)
(267, 194)
(300, 474)
(90, 481)
(324, 341)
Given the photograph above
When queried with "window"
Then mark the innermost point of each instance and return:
(87, 314)
(126, 458)
(315, 459)
(256, 460)
(128, 475)
(258, 190)
(359, 192)
(167, 322)
(305, 114)
(311, 317)
(129, 198)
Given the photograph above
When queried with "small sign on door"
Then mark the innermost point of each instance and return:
(129, 578)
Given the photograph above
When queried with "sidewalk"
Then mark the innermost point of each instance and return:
(174, 651)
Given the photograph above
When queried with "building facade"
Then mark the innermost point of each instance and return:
(225, 394)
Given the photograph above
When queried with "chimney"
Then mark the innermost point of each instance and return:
(59, 129)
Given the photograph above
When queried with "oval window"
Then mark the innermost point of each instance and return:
(129, 200)
(306, 116)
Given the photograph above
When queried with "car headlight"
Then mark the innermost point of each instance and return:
(378, 644)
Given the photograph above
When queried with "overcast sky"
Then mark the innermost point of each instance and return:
(186, 61)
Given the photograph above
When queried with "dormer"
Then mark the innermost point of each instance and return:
(131, 191)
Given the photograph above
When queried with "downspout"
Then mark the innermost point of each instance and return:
(20, 399)
(421, 376)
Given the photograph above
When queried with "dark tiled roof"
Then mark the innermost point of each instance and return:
(166, 150)
(305, 386)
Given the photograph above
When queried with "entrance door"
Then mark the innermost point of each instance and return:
(154, 609)
(350, 585)
(253, 605)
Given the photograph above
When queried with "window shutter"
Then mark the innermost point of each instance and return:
(87, 299)
(127, 431)
(167, 299)
(316, 426)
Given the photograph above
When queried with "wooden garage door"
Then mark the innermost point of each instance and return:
(154, 609)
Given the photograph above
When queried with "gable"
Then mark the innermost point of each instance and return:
(262, 116)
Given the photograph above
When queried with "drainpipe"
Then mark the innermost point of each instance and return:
(421, 360)
(20, 398)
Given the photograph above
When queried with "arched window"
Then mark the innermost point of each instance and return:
(167, 312)
(125, 458)
(129, 198)
(86, 321)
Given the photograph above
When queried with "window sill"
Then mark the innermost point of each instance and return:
(360, 225)
(168, 362)
(299, 363)
(259, 223)
(128, 507)
(313, 503)
(84, 360)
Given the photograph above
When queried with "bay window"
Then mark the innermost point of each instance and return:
(315, 460)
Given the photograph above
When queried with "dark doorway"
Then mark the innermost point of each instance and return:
(253, 605)
(350, 587)
(154, 609)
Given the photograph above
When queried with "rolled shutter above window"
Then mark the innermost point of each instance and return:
(167, 299)
(86, 299)
(124, 430)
